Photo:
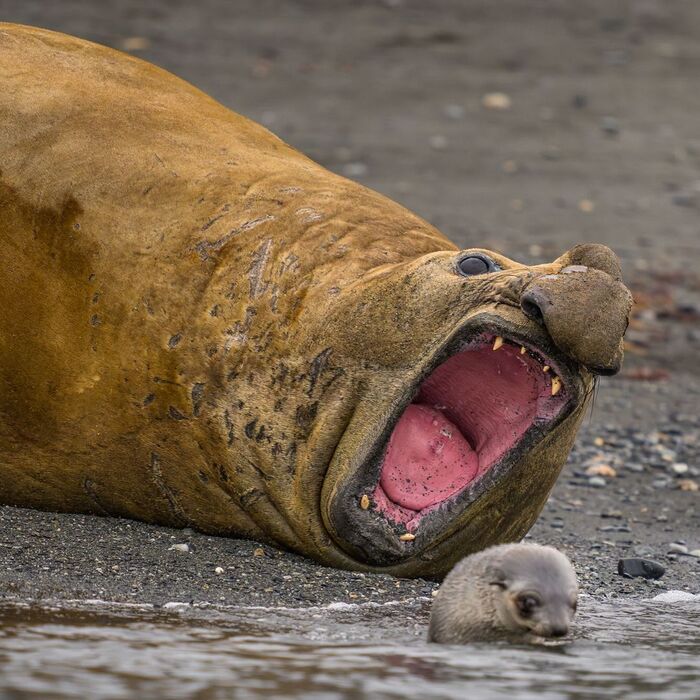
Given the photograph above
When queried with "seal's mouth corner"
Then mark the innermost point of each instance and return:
(468, 415)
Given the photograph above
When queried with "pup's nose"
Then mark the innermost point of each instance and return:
(559, 631)
(584, 307)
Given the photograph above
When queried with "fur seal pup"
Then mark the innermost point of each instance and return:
(511, 591)
(203, 328)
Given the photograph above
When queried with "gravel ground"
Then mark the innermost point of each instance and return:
(593, 135)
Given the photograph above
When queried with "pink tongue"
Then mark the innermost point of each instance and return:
(427, 459)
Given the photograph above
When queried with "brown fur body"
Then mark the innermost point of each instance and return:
(202, 327)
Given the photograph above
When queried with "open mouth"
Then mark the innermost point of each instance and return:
(467, 416)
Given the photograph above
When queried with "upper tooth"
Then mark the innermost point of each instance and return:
(522, 349)
(364, 501)
(545, 368)
(407, 537)
(556, 385)
(498, 342)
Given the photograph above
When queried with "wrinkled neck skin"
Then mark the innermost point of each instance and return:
(310, 345)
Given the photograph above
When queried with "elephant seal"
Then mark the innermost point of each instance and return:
(203, 328)
(510, 591)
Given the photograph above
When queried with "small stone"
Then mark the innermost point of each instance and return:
(496, 100)
(685, 199)
(610, 126)
(599, 441)
(597, 482)
(134, 43)
(601, 470)
(454, 111)
(678, 548)
(679, 467)
(586, 206)
(182, 547)
(644, 568)
(694, 553)
(356, 169)
(438, 142)
(258, 552)
(551, 153)
(688, 485)
(510, 167)
(579, 101)
(218, 570)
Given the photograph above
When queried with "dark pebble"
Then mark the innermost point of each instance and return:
(684, 199)
(646, 568)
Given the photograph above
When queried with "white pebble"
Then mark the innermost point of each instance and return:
(496, 100)
(180, 548)
(218, 570)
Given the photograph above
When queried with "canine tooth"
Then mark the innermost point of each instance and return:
(498, 342)
(364, 501)
(556, 385)
(522, 350)
(407, 537)
(545, 368)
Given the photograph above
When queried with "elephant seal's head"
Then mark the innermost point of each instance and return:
(475, 372)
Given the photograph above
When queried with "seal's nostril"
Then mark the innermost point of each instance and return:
(559, 631)
(532, 310)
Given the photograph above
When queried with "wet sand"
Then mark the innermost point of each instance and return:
(600, 142)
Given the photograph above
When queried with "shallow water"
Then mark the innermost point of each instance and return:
(645, 649)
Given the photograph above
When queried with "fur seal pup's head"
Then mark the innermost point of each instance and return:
(513, 591)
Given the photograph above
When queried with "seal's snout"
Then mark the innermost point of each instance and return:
(584, 307)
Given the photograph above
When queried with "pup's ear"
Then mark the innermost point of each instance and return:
(497, 577)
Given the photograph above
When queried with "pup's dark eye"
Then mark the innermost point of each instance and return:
(527, 604)
(475, 265)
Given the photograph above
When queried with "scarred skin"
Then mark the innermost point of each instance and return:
(202, 327)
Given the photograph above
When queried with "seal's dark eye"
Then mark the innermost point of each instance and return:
(527, 604)
(475, 265)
